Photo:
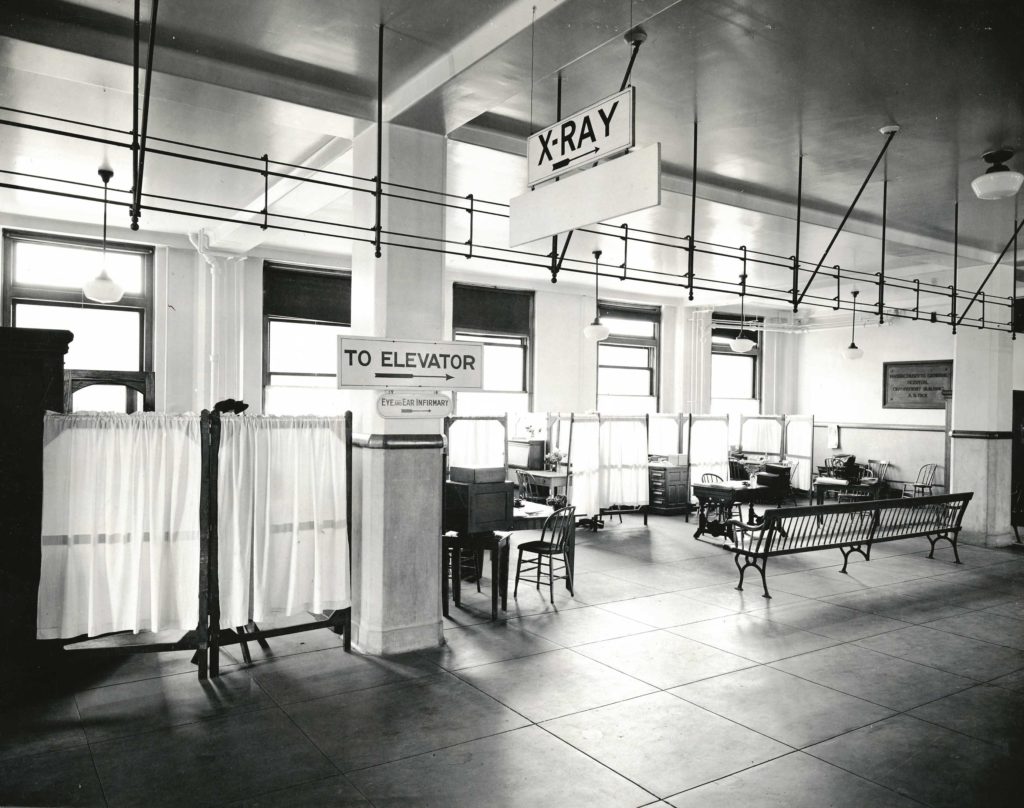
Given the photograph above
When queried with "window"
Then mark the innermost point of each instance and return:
(42, 288)
(305, 309)
(502, 321)
(735, 377)
(627, 361)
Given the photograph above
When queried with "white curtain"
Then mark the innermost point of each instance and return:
(476, 443)
(761, 435)
(120, 526)
(709, 447)
(799, 443)
(663, 438)
(584, 457)
(623, 461)
(282, 517)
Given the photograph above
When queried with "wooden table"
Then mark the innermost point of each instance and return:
(452, 545)
(552, 480)
(823, 484)
(722, 496)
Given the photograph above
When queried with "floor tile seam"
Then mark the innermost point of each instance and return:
(968, 636)
(96, 771)
(97, 743)
(714, 647)
(506, 659)
(894, 710)
(273, 658)
(305, 783)
(734, 721)
(284, 705)
(1002, 746)
(25, 755)
(792, 751)
(146, 679)
(807, 751)
(916, 662)
(655, 797)
(312, 743)
(412, 756)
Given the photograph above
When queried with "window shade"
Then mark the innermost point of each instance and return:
(497, 311)
(648, 314)
(302, 294)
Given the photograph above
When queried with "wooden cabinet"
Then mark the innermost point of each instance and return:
(669, 489)
(31, 382)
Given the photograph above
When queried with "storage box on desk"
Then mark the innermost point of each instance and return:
(466, 474)
(477, 507)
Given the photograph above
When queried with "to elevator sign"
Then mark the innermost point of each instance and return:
(390, 364)
(599, 131)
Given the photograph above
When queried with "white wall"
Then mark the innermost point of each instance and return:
(836, 389)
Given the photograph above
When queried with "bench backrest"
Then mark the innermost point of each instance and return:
(793, 529)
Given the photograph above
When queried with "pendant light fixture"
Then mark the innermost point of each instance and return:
(103, 288)
(596, 330)
(852, 351)
(739, 343)
(999, 182)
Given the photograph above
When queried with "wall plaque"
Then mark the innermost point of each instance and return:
(916, 385)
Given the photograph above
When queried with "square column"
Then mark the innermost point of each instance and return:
(397, 474)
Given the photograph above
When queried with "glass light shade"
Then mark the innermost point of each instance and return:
(997, 184)
(596, 330)
(103, 289)
(742, 344)
(853, 352)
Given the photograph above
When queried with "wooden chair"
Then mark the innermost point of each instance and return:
(557, 539)
(876, 469)
(724, 513)
(925, 482)
(711, 478)
(530, 487)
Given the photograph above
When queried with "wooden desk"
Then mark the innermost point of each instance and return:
(531, 516)
(552, 480)
(452, 545)
(722, 496)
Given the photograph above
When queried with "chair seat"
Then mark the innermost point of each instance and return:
(543, 547)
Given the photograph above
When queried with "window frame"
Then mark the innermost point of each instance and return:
(724, 322)
(627, 311)
(269, 318)
(141, 302)
(479, 335)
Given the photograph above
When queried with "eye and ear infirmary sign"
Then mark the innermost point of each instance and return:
(916, 385)
(386, 364)
(599, 131)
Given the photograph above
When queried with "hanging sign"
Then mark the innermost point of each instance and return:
(615, 188)
(414, 405)
(599, 131)
(368, 362)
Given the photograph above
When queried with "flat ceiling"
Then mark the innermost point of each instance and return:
(767, 80)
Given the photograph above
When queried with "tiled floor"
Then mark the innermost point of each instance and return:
(901, 684)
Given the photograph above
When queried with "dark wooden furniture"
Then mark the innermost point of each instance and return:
(847, 527)
(477, 507)
(31, 382)
(452, 547)
(716, 499)
(140, 381)
(669, 489)
(558, 545)
(925, 484)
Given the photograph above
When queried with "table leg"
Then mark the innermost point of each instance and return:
(445, 566)
(505, 553)
(457, 574)
(495, 580)
(702, 518)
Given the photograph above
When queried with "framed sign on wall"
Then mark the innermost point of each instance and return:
(916, 385)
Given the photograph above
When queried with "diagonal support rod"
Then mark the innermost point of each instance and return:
(998, 260)
(890, 132)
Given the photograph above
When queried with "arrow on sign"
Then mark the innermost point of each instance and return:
(405, 409)
(444, 376)
(567, 160)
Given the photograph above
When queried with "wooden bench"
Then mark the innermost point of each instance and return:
(849, 527)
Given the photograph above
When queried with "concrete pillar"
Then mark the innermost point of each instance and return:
(980, 435)
(397, 463)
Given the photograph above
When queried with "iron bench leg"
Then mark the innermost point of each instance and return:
(750, 561)
(847, 551)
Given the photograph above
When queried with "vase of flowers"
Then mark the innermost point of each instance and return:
(552, 460)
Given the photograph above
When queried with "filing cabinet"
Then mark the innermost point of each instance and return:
(669, 489)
